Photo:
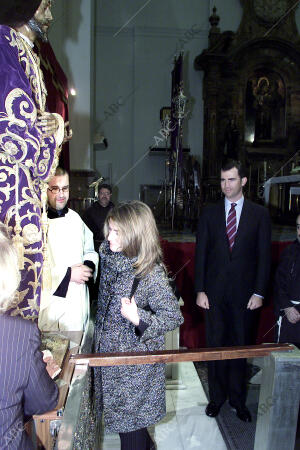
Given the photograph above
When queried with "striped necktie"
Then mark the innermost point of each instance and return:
(231, 225)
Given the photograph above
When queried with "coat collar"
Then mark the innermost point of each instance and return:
(117, 261)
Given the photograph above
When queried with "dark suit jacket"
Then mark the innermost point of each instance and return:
(94, 218)
(287, 280)
(246, 269)
(25, 386)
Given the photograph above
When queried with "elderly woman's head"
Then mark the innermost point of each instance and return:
(9, 271)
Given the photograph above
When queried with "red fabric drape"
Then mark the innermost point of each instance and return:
(57, 87)
(179, 258)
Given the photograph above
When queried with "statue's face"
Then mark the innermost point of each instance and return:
(42, 19)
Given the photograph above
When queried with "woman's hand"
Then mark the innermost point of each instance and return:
(129, 310)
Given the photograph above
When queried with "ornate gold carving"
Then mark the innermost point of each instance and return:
(25, 159)
(31, 234)
(270, 10)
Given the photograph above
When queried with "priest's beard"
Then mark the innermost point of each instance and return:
(36, 27)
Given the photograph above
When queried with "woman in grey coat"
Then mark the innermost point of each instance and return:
(132, 397)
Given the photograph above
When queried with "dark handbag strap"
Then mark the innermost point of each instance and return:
(134, 286)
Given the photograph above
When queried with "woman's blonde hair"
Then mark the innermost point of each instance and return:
(138, 233)
(9, 271)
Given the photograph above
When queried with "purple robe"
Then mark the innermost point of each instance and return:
(26, 160)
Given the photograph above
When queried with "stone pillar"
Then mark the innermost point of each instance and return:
(211, 94)
(278, 402)
(79, 46)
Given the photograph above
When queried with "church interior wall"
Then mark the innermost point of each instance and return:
(122, 75)
(71, 37)
(143, 54)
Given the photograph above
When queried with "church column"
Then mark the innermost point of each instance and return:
(79, 50)
(72, 38)
(211, 92)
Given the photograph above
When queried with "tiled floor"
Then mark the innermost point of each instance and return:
(185, 426)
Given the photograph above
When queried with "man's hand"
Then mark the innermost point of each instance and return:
(129, 310)
(202, 300)
(292, 315)
(80, 273)
(255, 302)
(52, 367)
(47, 123)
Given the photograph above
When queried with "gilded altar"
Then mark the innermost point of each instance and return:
(251, 93)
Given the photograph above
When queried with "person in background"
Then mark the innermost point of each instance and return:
(94, 216)
(73, 262)
(287, 292)
(136, 307)
(25, 386)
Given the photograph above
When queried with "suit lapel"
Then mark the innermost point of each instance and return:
(223, 217)
(222, 222)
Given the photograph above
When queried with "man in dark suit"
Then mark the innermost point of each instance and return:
(287, 292)
(231, 274)
(94, 217)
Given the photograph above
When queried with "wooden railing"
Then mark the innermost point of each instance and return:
(277, 405)
(173, 356)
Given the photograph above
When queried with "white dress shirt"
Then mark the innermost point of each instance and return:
(238, 209)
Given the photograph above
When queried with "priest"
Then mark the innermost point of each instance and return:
(73, 262)
(30, 140)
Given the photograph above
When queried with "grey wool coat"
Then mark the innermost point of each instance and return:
(131, 397)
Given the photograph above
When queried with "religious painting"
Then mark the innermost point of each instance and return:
(265, 108)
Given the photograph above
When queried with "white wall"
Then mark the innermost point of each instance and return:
(127, 69)
(72, 37)
(133, 68)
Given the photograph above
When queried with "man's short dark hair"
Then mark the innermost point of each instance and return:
(16, 13)
(233, 163)
(104, 186)
(60, 171)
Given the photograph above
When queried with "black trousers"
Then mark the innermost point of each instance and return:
(228, 325)
(136, 440)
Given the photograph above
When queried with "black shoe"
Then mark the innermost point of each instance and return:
(242, 413)
(212, 409)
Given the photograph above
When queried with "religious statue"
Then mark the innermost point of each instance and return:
(263, 106)
(268, 99)
(30, 140)
(231, 140)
